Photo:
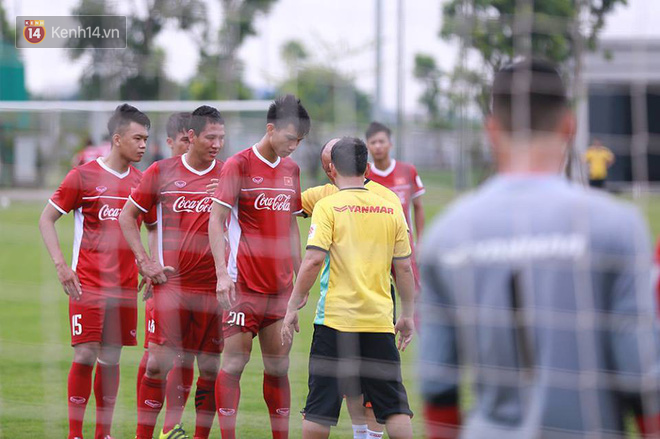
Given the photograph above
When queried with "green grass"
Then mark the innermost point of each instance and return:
(34, 339)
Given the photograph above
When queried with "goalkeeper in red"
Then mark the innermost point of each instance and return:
(259, 193)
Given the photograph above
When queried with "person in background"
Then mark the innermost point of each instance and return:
(598, 158)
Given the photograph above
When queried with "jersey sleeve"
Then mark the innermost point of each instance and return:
(402, 241)
(151, 217)
(418, 186)
(320, 231)
(296, 206)
(69, 195)
(309, 199)
(145, 196)
(229, 186)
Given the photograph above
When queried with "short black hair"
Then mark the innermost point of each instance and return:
(349, 156)
(123, 116)
(204, 115)
(535, 81)
(287, 110)
(377, 127)
(177, 123)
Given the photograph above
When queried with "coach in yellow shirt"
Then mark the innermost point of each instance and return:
(355, 235)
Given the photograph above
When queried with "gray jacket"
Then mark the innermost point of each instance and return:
(539, 294)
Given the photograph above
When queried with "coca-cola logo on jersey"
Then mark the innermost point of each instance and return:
(182, 204)
(279, 202)
(109, 213)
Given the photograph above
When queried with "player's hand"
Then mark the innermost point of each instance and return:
(212, 186)
(69, 280)
(225, 291)
(148, 288)
(289, 324)
(154, 271)
(405, 327)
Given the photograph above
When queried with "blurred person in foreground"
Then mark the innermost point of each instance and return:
(102, 281)
(598, 158)
(363, 421)
(540, 288)
(355, 236)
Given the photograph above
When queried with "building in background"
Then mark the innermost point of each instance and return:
(623, 109)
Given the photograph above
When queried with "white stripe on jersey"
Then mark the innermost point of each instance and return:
(234, 231)
(248, 189)
(159, 231)
(78, 228)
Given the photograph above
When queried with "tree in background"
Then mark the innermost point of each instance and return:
(219, 72)
(328, 95)
(427, 72)
(488, 28)
(6, 31)
(293, 53)
(136, 72)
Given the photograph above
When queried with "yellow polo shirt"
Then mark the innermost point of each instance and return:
(361, 233)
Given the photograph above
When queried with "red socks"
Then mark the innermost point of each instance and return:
(277, 394)
(227, 395)
(79, 389)
(141, 370)
(204, 407)
(106, 385)
(179, 382)
(150, 400)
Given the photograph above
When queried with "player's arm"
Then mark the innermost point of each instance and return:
(405, 285)
(309, 270)
(65, 274)
(152, 242)
(438, 352)
(295, 245)
(225, 290)
(418, 208)
(128, 221)
(418, 191)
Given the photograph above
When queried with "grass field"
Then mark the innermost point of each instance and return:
(34, 340)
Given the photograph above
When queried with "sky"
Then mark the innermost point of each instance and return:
(337, 32)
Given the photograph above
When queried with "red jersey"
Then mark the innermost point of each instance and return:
(182, 204)
(262, 197)
(102, 258)
(402, 179)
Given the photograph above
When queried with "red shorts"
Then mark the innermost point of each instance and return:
(101, 319)
(253, 311)
(187, 320)
(149, 323)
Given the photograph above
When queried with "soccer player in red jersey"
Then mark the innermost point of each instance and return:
(259, 192)
(186, 313)
(102, 280)
(400, 177)
(180, 377)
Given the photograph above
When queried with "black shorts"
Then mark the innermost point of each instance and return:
(343, 363)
